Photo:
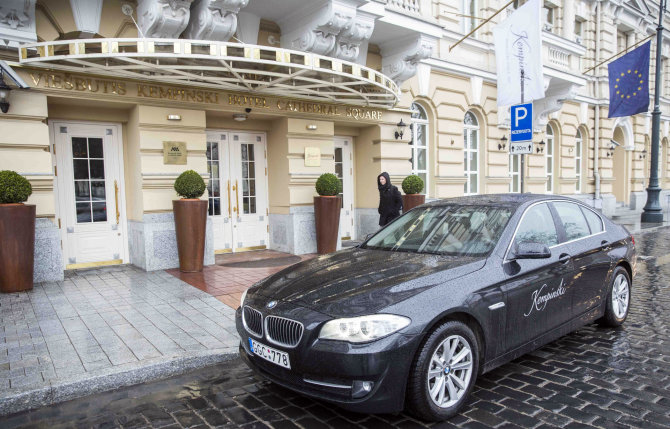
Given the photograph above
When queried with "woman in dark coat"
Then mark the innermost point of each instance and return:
(390, 200)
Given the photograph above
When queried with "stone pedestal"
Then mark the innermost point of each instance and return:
(48, 253)
(367, 222)
(153, 242)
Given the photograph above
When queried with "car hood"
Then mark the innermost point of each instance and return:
(360, 281)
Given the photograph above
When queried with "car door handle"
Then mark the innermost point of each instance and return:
(605, 244)
(564, 258)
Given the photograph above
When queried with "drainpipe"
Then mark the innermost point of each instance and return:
(596, 132)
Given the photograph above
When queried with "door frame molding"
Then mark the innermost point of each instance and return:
(60, 204)
(267, 189)
(350, 140)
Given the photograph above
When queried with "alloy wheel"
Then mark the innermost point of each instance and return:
(620, 296)
(450, 371)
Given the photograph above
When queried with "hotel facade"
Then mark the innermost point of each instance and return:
(112, 100)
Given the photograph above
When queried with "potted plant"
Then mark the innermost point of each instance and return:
(411, 186)
(327, 212)
(17, 233)
(190, 219)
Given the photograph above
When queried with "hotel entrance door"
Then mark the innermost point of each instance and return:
(238, 201)
(89, 192)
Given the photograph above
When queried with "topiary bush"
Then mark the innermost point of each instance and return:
(189, 184)
(14, 188)
(412, 184)
(328, 185)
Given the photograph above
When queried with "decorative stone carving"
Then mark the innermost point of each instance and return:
(214, 19)
(350, 41)
(317, 27)
(400, 57)
(17, 22)
(555, 96)
(86, 15)
(163, 18)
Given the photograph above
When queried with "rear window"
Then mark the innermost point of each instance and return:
(594, 221)
(573, 220)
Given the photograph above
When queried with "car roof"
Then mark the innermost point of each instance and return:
(504, 200)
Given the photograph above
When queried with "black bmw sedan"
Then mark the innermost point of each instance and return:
(447, 291)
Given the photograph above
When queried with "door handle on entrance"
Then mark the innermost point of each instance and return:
(230, 214)
(116, 200)
(237, 198)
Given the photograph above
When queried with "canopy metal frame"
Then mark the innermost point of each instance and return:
(228, 66)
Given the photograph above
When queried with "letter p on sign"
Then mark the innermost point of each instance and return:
(522, 122)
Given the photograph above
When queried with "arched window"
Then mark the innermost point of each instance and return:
(471, 153)
(419, 143)
(469, 15)
(578, 162)
(514, 173)
(550, 159)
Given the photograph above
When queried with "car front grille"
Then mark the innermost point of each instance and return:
(283, 332)
(252, 320)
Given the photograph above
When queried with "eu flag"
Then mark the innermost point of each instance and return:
(629, 83)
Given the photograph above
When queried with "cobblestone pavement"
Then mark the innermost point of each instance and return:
(595, 377)
(103, 328)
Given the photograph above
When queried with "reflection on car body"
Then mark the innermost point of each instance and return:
(447, 291)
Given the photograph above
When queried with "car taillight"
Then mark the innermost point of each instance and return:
(632, 240)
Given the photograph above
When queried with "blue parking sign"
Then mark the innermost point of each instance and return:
(522, 122)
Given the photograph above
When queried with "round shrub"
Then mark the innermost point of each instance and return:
(14, 188)
(189, 184)
(328, 185)
(412, 184)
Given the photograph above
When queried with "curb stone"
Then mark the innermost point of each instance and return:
(110, 380)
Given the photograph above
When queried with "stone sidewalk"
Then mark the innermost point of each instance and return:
(105, 328)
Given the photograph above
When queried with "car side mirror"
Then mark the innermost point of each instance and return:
(531, 251)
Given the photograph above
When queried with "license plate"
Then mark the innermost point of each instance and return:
(269, 354)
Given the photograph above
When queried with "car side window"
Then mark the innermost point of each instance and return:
(573, 220)
(537, 226)
(594, 221)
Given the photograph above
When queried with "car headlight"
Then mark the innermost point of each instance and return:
(363, 329)
(243, 297)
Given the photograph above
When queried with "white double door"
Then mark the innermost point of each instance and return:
(238, 197)
(89, 192)
(344, 170)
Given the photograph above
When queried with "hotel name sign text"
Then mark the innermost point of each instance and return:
(140, 90)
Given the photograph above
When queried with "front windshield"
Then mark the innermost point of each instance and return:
(446, 230)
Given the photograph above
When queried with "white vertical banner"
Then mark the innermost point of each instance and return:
(518, 46)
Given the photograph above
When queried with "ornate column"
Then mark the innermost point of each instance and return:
(163, 18)
(86, 15)
(17, 22)
(315, 29)
(214, 19)
(400, 58)
(352, 42)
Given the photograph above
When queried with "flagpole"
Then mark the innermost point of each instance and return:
(653, 213)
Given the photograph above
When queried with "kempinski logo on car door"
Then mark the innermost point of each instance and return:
(540, 301)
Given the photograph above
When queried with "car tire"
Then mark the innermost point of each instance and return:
(617, 303)
(433, 381)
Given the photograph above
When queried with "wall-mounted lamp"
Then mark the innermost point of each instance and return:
(4, 94)
(610, 150)
(571, 149)
(643, 154)
(503, 143)
(540, 149)
(400, 129)
(311, 127)
(174, 117)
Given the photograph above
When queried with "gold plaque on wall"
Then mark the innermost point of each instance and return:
(174, 153)
(312, 157)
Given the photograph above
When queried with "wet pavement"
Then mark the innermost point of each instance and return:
(595, 377)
